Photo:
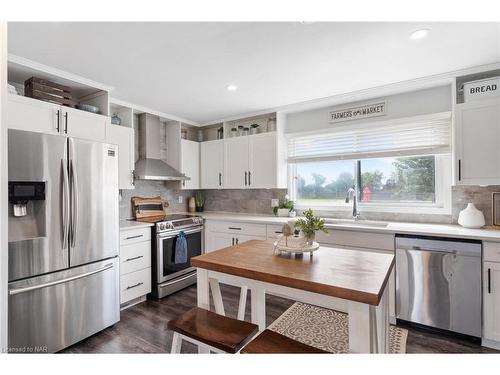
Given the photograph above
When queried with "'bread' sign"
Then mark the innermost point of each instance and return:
(482, 89)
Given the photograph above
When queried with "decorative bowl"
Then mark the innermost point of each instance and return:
(88, 108)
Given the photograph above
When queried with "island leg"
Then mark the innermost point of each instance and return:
(362, 328)
(203, 297)
(258, 307)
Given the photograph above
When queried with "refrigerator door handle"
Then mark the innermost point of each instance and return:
(56, 282)
(74, 199)
(65, 204)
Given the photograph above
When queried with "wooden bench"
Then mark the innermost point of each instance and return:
(270, 342)
(204, 328)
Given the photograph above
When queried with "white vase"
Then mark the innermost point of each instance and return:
(471, 217)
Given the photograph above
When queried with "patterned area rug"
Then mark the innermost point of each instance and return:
(327, 329)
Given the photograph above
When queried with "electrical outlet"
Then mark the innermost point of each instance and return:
(180, 199)
(275, 203)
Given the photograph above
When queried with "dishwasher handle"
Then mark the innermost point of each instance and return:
(430, 249)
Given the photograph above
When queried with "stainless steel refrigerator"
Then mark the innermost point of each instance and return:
(63, 240)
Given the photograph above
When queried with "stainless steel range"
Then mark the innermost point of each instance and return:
(170, 276)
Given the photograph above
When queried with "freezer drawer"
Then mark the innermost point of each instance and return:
(50, 312)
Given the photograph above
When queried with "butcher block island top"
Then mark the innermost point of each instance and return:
(353, 275)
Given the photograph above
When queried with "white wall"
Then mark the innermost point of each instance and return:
(431, 100)
(3, 187)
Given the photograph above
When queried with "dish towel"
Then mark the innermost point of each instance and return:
(180, 249)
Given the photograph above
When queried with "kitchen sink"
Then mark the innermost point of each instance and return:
(357, 223)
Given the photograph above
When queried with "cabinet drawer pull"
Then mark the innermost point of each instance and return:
(220, 179)
(278, 231)
(246, 179)
(132, 237)
(459, 169)
(249, 180)
(234, 228)
(134, 286)
(134, 258)
(489, 280)
(66, 122)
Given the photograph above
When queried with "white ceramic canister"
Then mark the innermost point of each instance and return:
(471, 217)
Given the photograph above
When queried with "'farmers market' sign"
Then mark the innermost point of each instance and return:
(358, 113)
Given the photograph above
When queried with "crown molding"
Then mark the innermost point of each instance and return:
(420, 83)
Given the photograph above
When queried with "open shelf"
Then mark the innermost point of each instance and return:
(126, 114)
(266, 123)
(83, 91)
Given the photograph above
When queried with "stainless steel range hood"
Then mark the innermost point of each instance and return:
(150, 166)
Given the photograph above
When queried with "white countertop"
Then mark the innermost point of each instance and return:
(445, 230)
(132, 224)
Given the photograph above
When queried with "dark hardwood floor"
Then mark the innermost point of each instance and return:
(143, 327)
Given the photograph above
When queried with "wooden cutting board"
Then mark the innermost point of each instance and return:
(148, 209)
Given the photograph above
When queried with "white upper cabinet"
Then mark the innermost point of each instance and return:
(33, 115)
(84, 125)
(38, 116)
(190, 163)
(236, 163)
(251, 162)
(212, 164)
(262, 161)
(477, 143)
(124, 138)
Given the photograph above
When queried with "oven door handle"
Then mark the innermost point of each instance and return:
(176, 233)
(177, 280)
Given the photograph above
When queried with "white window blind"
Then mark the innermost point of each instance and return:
(430, 134)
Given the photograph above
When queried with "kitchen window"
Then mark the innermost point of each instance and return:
(396, 166)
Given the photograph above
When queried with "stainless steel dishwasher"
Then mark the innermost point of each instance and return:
(438, 283)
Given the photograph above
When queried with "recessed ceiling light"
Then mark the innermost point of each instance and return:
(419, 34)
(231, 87)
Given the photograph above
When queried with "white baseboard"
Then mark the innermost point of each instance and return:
(490, 344)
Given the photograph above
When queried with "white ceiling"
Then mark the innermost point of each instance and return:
(184, 68)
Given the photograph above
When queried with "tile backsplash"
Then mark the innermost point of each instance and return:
(258, 201)
(255, 201)
(167, 190)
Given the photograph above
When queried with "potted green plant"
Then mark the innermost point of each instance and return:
(310, 224)
(199, 200)
(285, 206)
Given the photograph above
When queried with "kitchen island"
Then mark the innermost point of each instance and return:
(357, 277)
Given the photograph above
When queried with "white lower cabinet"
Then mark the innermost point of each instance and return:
(220, 234)
(135, 265)
(491, 295)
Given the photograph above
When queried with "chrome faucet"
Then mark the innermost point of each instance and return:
(353, 193)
